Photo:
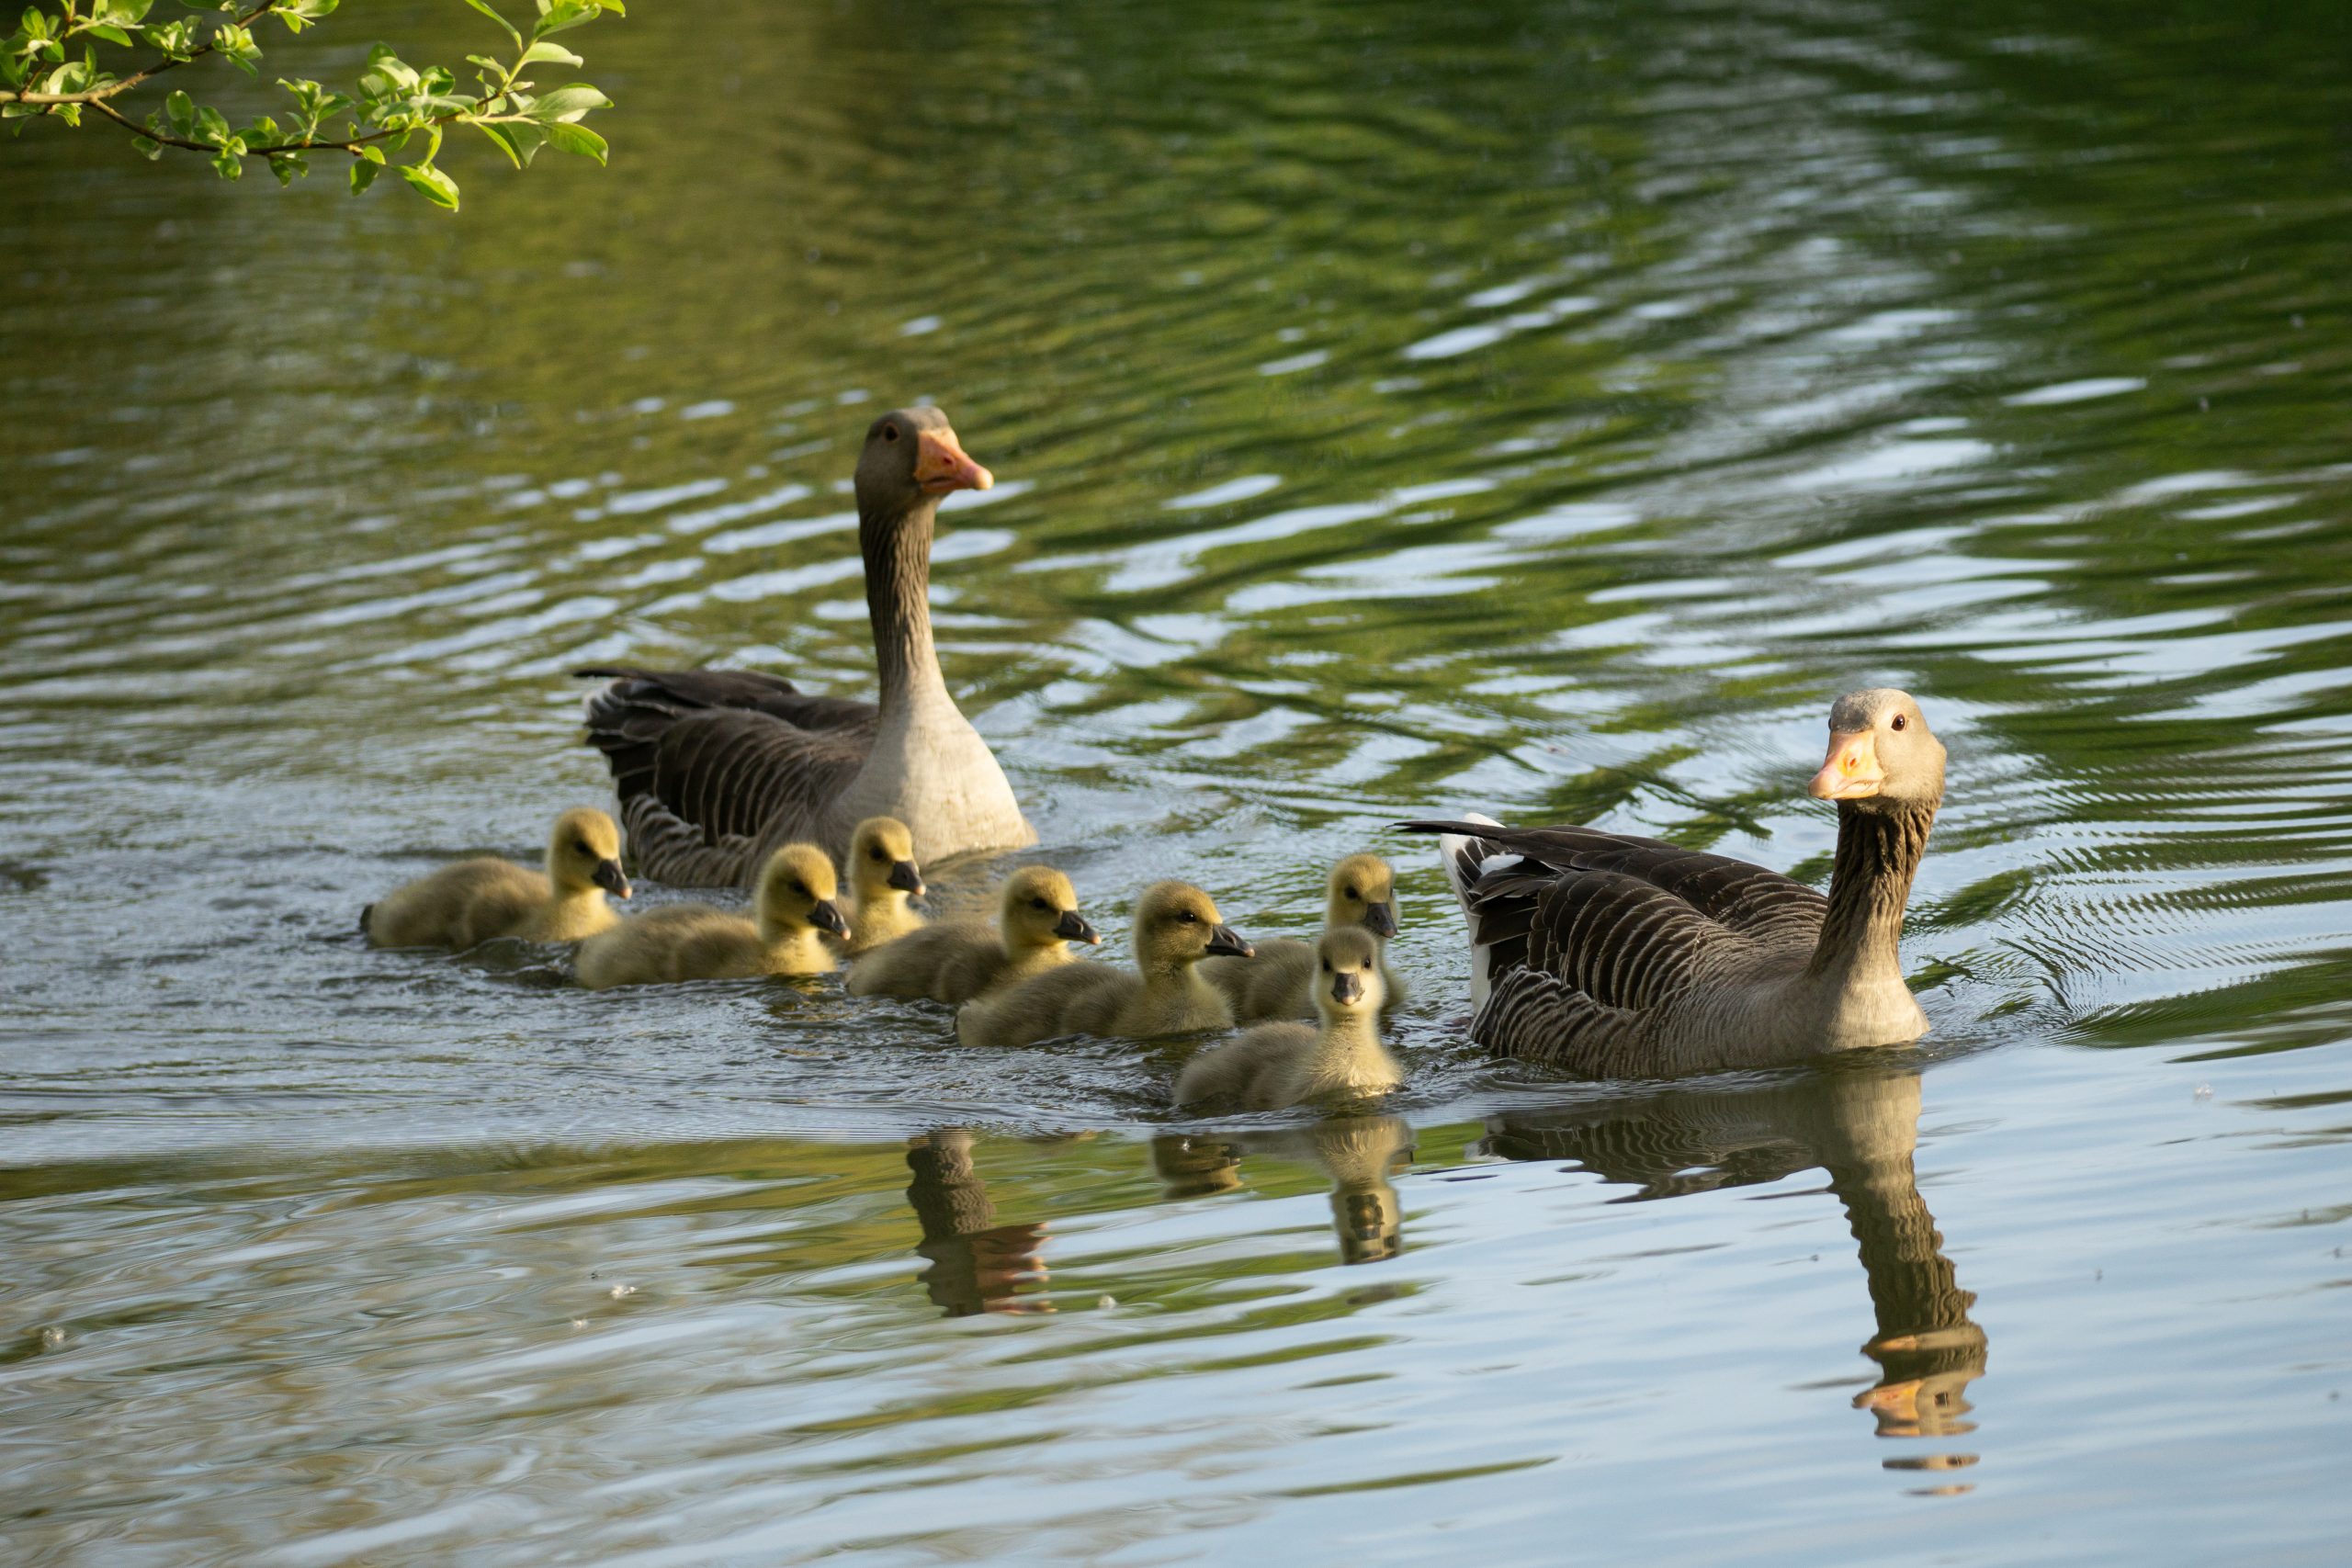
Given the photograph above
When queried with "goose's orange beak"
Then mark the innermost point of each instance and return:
(1851, 771)
(941, 465)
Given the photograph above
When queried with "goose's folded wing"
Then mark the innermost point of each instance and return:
(710, 764)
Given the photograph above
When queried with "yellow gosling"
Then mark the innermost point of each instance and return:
(1280, 981)
(1275, 1065)
(475, 900)
(1176, 927)
(698, 941)
(955, 960)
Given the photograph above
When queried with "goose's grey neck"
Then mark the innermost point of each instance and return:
(1870, 882)
(897, 547)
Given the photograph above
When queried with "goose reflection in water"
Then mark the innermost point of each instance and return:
(975, 1264)
(1859, 1122)
(1359, 1154)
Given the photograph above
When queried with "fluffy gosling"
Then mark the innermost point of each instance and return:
(1280, 982)
(1275, 1065)
(882, 878)
(1176, 927)
(955, 960)
(475, 900)
(699, 941)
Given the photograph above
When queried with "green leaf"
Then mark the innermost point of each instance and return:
(363, 172)
(230, 166)
(436, 187)
(147, 147)
(576, 139)
(511, 31)
(568, 104)
(374, 155)
(111, 34)
(556, 14)
(543, 50)
(182, 110)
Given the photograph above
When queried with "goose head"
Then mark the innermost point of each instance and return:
(1881, 754)
(584, 852)
(1039, 907)
(1347, 974)
(1364, 892)
(796, 892)
(1177, 925)
(882, 860)
(911, 456)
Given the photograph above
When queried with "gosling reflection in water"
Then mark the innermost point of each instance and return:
(1359, 1153)
(1860, 1124)
(977, 1265)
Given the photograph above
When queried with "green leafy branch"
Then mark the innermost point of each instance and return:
(40, 77)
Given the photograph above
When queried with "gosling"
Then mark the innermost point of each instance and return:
(1276, 1065)
(882, 876)
(955, 960)
(475, 900)
(1280, 982)
(1176, 927)
(698, 941)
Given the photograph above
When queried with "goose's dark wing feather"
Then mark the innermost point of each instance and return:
(711, 764)
(1585, 931)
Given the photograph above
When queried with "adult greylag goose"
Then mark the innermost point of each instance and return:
(1280, 981)
(1622, 957)
(697, 941)
(883, 877)
(1176, 927)
(475, 900)
(955, 960)
(715, 769)
(1276, 1065)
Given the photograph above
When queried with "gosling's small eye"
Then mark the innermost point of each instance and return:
(1350, 893)
(1327, 966)
(801, 888)
(889, 432)
(1039, 904)
(581, 845)
(1189, 918)
(875, 853)
(1898, 722)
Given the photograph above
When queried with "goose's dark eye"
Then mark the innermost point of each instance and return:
(889, 432)
(1327, 967)
(1187, 916)
(801, 888)
(875, 853)
(1352, 893)
(1898, 721)
(1040, 904)
(581, 845)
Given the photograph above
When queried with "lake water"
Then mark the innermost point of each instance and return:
(1397, 409)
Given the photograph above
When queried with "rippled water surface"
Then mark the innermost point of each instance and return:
(1398, 408)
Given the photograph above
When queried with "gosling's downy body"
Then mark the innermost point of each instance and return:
(956, 961)
(1280, 981)
(1275, 1065)
(883, 876)
(1176, 927)
(698, 941)
(475, 900)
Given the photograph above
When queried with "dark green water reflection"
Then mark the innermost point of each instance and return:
(1547, 409)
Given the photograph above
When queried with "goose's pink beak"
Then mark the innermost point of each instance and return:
(1851, 771)
(941, 465)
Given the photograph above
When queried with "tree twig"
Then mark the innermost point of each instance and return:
(98, 95)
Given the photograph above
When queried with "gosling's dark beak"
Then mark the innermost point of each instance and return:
(1381, 918)
(609, 876)
(1227, 942)
(905, 878)
(1072, 926)
(1347, 984)
(827, 917)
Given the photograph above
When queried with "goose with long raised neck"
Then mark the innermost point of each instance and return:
(715, 769)
(1615, 956)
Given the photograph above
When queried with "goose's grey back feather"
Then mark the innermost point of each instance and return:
(718, 768)
(1618, 956)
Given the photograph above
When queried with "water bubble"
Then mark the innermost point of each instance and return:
(1107, 1303)
(51, 1338)
(617, 1291)
(2204, 1092)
